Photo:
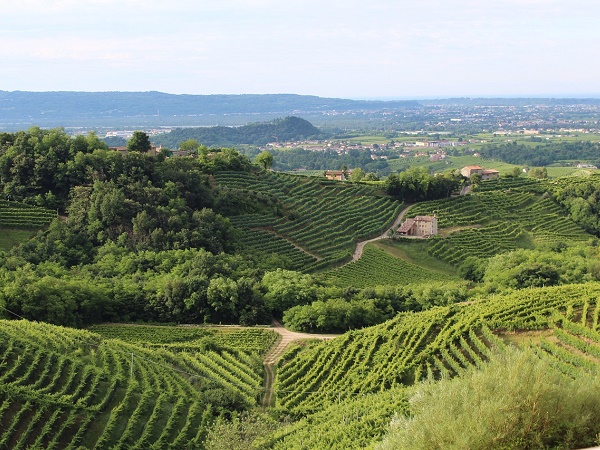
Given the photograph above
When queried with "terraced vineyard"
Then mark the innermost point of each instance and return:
(20, 215)
(267, 243)
(440, 342)
(65, 388)
(190, 338)
(377, 267)
(353, 422)
(326, 217)
(507, 220)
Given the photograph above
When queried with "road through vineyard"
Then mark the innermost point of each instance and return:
(271, 358)
(361, 245)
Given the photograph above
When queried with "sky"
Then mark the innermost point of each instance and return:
(330, 48)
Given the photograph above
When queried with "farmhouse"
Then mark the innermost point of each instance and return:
(489, 174)
(486, 174)
(423, 226)
(340, 175)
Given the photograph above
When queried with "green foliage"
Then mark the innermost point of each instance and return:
(543, 154)
(285, 288)
(139, 142)
(580, 197)
(534, 268)
(514, 401)
(264, 159)
(168, 286)
(241, 433)
(369, 306)
(538, 172)
(416, 184)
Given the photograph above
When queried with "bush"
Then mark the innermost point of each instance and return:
(515, 402)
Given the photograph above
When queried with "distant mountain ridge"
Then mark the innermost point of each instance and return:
(71, 108)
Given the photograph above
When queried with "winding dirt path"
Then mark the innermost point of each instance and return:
(361, 245)
(273, 355)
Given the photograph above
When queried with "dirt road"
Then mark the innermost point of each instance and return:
(361, 245)
(273, 355)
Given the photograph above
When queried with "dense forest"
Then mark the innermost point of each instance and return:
(544, 154)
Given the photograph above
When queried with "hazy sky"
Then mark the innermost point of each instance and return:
(332, 48)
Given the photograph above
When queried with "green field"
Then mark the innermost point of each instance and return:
(189, 338)
(450, 163)
(10, 237)
(20, 215)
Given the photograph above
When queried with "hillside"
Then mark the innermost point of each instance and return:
(66, 388)
(153, 387)
(561, 322)
(322, 218)
(286, 129)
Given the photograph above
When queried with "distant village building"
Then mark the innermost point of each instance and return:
(486, 174)
(339, 175)
(422, 226)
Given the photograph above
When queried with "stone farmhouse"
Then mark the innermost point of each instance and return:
(421, 226)
(486, 174)
(339, 175)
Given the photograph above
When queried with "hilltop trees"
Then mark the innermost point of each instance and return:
(416, 184)
(139, 142)
(264, 159)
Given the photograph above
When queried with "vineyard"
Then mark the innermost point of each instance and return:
(506, 220)
(324, 218)
(19, 215)
(441, 342)
(65, 388)
(377, 267)
(190, 338)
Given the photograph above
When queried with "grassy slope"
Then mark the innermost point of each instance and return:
(377, 266)
(10, 237)
(415, 252)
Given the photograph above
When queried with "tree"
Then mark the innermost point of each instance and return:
(286, 288)
(515, 172)
(264, 159)
(190, 146)
(139, 142)
(357, 175)
(538, 172)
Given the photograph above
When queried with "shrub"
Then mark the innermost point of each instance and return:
(515, 402)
